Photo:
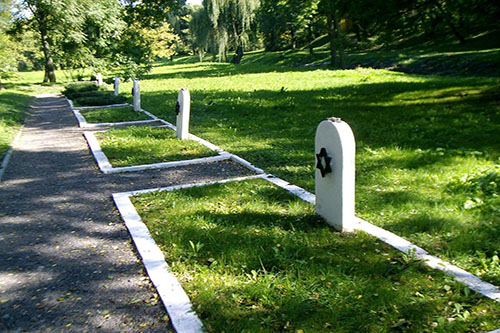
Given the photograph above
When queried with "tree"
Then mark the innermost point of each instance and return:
(150, 13)
(50, 18)
(8, 54)
(73, 33)
(333, 9)
(231, 21)
(287, 23)
(201, 36)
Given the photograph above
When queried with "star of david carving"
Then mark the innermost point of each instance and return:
(321, 158)
(177, 108)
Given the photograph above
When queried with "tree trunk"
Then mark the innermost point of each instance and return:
(310, 39)
(340, 42)
(50, 75)
(239, 54)
(449, 21)
(331, 35)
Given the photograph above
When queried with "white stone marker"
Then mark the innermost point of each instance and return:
(335, 150)
(99, 79)
(136, 92)
(117, 85)
(183, 108)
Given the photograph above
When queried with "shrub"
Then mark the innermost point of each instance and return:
(79, 94)
(79, 87)
(101, 99)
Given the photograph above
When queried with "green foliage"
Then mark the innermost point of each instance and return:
(147, 145)
(90, 94)
(8, 58)
(8, 49)
(231, 22)
(254, 258)
(79, 87)
(288, 24)
(100, 98)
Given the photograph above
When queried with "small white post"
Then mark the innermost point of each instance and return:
(136, 92)
(117, 85)
(99, 79)
(183, 112)
(335, 150)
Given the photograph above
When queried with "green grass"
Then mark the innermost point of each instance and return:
(146, 145)
(417, 137)
(254, 258)
(113, 115)
(13, 109)
(14, 100)
(478, 57)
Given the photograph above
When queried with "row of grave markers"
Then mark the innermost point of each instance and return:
(335, 160)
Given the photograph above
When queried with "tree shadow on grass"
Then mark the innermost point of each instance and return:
(266, 250)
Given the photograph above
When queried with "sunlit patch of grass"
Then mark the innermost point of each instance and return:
(14, 100)
(146, 145)
(13, 108)
(113, 115)
(252, 257)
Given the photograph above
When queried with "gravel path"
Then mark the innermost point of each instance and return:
(66, 260)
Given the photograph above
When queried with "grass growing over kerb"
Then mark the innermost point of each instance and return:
(146, 145)
(253, 258)
(113, 115)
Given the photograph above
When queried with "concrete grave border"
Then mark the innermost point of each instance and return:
(144, 239)
(171, 293)
(82, 122)
(106, 167)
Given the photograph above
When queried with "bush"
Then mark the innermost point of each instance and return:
(80, 94)
(79, 87)
(100, 99)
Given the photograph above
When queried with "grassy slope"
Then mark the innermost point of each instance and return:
(419, 139)
(478, 57)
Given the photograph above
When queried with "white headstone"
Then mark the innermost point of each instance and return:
(99, 79)
(136, 91)
(183, 112)
(117, 85)
(335, 150)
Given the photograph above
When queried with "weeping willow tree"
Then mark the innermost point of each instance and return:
(200, 31)
(231, 21)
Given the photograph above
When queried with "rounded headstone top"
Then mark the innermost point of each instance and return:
(334, 119)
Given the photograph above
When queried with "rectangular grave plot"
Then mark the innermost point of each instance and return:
(145, 145)
(251, 256)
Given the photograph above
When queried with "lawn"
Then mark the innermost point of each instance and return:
(113, 115)
(14, 100)
(253, 258)
(422, 141)
(147, 145)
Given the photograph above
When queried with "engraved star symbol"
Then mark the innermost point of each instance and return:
(177, 108)
(327, 159)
